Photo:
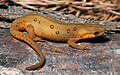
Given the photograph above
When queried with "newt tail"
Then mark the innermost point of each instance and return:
(14, 30)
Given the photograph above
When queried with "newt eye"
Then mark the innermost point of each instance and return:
(96, 33)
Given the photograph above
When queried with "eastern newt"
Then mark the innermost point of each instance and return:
(39, 26)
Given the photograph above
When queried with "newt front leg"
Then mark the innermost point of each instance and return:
(72, 43)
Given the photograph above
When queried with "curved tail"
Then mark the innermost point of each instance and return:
(14, 30)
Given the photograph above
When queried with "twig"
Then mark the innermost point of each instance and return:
(85, 8)
(114, 12)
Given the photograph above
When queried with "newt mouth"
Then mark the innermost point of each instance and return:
(101, 33)
(92, 35)
(98, 33)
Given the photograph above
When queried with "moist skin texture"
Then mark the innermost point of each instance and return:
(39, 26)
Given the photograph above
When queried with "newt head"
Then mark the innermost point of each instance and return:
(90, 31)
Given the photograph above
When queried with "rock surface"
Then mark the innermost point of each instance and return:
(102, 59)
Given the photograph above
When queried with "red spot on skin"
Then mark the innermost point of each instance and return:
(51, 26)
(35, 19)
(39, 22)
(57, 32)
(75, 28)
(68, 30)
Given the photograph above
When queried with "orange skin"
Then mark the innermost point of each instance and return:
(39, 26)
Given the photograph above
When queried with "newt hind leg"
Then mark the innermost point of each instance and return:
(31, 33)
(72, 43)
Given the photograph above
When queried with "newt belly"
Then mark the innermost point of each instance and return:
(39, 26)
